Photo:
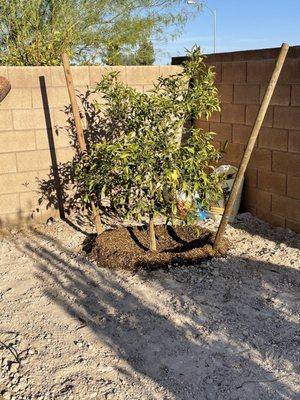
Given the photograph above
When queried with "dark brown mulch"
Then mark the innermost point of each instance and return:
(128, 248)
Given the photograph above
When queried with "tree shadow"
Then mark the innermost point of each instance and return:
(257, 227)
(226, 333)
(60, 190)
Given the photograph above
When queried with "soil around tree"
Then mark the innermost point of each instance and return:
(128, 248)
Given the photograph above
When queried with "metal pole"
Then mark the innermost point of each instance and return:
(251, 143)
(214, 14)
(215, 31)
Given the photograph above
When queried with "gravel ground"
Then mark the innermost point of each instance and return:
(226, 329)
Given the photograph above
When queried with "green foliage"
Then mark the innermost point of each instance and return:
(152, 157)
(35, 32)
(144, 55)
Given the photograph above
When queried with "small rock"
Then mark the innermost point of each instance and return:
(14, 367)
(6, 396)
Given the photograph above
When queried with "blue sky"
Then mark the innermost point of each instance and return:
(241, 25)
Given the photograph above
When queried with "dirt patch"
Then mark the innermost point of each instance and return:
(226, 330)
(128, 248)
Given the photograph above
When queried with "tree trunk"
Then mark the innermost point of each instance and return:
(152, 234)
(97, 220)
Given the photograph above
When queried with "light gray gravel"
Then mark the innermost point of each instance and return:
(227, 329)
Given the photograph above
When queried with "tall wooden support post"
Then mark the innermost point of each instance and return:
(79, 129)
(5, 87)
(251, 143)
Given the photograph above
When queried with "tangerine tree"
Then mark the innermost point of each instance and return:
(149, 155)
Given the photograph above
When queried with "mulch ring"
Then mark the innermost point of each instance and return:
(128, 248)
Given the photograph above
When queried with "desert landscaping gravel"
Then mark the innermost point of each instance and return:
(225, 329)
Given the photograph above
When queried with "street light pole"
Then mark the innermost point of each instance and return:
(214, 14)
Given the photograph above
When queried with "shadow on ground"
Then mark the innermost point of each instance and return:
(227, 332)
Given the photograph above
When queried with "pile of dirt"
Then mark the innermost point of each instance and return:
(128, 248)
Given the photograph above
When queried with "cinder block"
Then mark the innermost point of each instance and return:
(29, 201)
(96, 73)
(217, 68)
(215, 116)
(95, 97)
(233, 113)
(287, 117)
(33, 160)
(246, 94)
(7, 163)
(142, 75)
(274, 139)
(202, 124)
(58, 76)
(25, 77)
(272, 219)
(217, 145)
(272, 182)
(3, 71)
(253, 197)
(146, 88)
(20, 219)
(290, 71)
(9, 203)
(281, 95)
(55, 97)
(140, 88)
(286, 163)
(167, 70)
(260, 71)
(261, 159)
(234, 153)
(30, 119)
(17, 98)
(18, 182)
(81, 76)
(5, 120)
(64, 155)
(60, 139)
(294, 141)
(225, 92)
(251, 114)
(12, 141)
(223, 131)
(60, 118)
(286, 207)
(293, 225)
(241, 134)
(234, 72)
(293, 187)
(44, 174)
(295, 97)
(251, 177)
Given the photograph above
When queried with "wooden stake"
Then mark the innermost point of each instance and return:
(251, 143)
(79, 130)
(74, 105)
(5, 87)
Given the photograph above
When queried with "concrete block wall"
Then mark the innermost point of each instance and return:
(29, 116)
(272, 186)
